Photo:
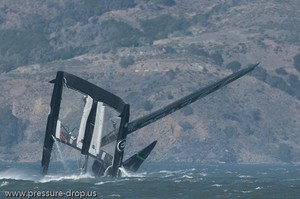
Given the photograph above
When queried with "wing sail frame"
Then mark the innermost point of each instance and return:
(53, 124)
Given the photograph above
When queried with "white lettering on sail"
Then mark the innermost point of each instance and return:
(121, 145)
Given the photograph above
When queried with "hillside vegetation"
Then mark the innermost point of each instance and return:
(151, 53)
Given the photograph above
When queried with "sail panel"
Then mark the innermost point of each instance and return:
(58, 129)
(98, 128)
(89, 129)
(86, 112)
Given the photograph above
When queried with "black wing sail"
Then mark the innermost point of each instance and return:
(95, 93)
(152, 117)
(52, 122)
(121, 142)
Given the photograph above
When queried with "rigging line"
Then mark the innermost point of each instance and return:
(66, 128)
(75, 128)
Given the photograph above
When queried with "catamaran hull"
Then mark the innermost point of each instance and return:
(102, 168)
(134, 162)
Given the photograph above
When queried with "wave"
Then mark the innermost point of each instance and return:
(128, 174)
(29, 175)
(13, 174)
(217, 185)
(245, 176)
(36, 177)
(5, 183)
(107, 181)
(73, 177)
(32, 174)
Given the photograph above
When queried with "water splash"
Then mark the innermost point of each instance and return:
(62, 159)
(16, 174)
(34, 176)
(125, 173)
(54, 178)
(4, 184)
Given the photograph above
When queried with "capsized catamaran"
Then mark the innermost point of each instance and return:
(91, 139)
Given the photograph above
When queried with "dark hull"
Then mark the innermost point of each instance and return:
(132, 164)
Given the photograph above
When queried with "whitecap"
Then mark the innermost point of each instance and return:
(4, 184)
(17, 175)
(115, 195)
(164, 171)
(103, 182)
(187, 176)
(246, 191)
(217, 185)
(111, 181)
(203, 174)
(177, 181)
(244, 176)
(50, 178)
(125, 173)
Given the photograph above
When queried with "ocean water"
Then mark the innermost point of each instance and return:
(154, 180)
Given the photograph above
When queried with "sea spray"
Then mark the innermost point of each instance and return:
(267, 181)
(125, 173)
(18, 174)
(62, 159)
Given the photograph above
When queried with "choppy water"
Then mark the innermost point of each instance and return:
(156, 181)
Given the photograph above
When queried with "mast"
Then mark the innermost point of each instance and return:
(121, 142)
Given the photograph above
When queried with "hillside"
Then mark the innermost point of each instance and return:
(151, 53)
